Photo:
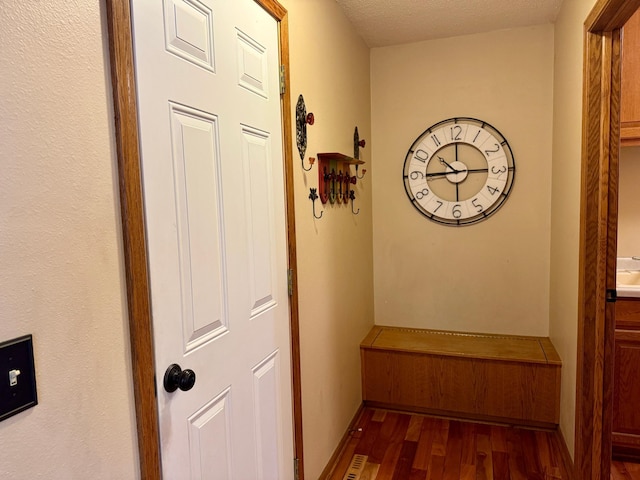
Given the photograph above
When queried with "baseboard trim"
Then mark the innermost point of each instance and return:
(567, 461)
(333, 461)
(456, 415)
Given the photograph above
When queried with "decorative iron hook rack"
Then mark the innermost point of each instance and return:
(335, 181)
(302, 120)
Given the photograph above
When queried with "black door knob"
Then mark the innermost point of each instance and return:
(175, 378)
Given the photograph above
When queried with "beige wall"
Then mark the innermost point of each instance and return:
(330, 68)
(488, 277)
(565, 205)
(62, 262)
(629, 200)
(62, 277)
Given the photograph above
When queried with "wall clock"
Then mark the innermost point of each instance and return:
(459, 171)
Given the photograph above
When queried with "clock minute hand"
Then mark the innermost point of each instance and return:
(438, 174)
(442, 174)
(445, 173)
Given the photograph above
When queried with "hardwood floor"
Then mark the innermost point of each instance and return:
(388, 445)
(625, 471)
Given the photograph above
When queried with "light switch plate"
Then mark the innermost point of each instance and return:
(17, 376)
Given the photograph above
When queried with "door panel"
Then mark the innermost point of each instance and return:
(256, 157)
(200, 241)
(213, 181)
(189, 32)
(252, 63)
(266, 411)
(209, 438)
(626, 415)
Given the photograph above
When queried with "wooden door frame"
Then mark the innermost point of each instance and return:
(598, 235)
(133, 231)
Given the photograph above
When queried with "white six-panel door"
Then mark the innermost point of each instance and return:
(212, 165)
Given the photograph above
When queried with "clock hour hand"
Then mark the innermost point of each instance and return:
(444, 162)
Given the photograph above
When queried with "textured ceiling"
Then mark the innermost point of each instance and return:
(391, 22)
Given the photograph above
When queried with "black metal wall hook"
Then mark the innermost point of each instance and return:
(313, 196)
(357, 144)
(311, 161)
(352, 196)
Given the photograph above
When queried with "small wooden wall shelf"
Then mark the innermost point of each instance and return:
(510, 379)
(334, 177)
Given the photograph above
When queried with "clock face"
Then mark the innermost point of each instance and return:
(459, 171)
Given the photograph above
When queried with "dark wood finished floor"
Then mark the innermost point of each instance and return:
(625, 471)
(398, 446)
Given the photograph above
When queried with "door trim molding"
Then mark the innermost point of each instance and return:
(598, 227)
(134, 240)
(281, 15)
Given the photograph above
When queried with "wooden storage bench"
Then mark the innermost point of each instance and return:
(499, 378)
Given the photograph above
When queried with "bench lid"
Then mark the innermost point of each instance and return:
(460, 344)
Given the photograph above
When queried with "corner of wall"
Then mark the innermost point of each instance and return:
(330, 68)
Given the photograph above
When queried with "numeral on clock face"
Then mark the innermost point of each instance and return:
(421, 155)
(455, 133)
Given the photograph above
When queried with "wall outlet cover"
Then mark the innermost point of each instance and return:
(17, 376)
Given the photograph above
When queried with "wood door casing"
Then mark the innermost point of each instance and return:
(135, 256)
(592, 377)
(598, 229)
